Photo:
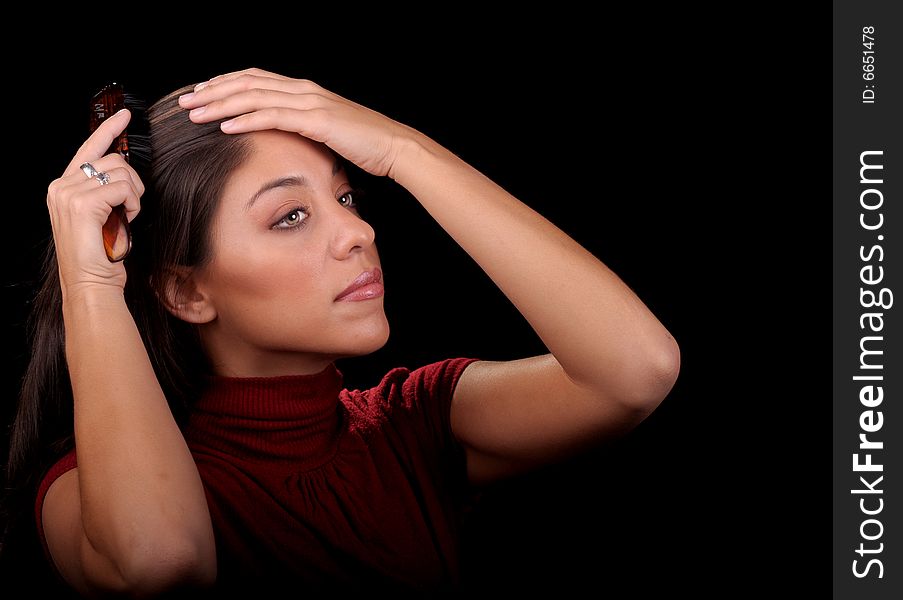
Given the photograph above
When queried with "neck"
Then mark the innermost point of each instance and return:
(233, 357)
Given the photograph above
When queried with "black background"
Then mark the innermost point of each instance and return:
(659, 150)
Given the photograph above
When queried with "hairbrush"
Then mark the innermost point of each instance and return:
(117, 235)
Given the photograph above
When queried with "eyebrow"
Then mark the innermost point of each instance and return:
(289, 181)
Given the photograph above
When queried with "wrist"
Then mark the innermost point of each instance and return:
(90, 295)
(414, 152)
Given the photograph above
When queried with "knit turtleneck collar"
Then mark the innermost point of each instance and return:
(295, 418)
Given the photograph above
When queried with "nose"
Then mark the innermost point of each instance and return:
(351, 233)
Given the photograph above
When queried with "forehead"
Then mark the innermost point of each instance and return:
(279, 153)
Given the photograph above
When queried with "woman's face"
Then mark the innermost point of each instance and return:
(280, 256)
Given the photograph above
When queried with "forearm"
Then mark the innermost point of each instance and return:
(603, 336)
(140, 491)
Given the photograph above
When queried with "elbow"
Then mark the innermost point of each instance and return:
(177, 564)
(668, 367)
(659, 374)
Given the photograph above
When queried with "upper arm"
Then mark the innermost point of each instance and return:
(77, 561)
(166, 564)
(512, 416)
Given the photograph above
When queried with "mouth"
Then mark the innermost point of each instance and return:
(366, 286)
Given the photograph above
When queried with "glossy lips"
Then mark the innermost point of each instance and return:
(368, 285)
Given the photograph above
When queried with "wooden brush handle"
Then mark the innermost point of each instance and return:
(117, 235)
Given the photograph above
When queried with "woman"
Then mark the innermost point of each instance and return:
(214, 444)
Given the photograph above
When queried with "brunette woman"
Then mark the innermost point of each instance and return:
(182, 422)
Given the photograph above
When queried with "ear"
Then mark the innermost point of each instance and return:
(185, 298)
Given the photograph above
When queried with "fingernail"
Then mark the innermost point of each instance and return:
(186, 97)
(198, 111)
(200, 86)
(227, 124)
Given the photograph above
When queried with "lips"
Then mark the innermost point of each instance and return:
(374, 275)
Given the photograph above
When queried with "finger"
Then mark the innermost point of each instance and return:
(255, 99)
(309, 123)
(218, 90)
(111, 195)
(115, 170)
(115, 160)
(120, 190)
(234, 74)
(122, 176)
(100, 141)
(259, 74)
(110, 164)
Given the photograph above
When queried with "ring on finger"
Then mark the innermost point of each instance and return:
(88, 169)
(103, 178)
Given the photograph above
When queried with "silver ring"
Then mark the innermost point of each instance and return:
(103, 178)
(88, 169)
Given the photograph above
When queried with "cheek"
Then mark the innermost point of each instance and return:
(272, 275)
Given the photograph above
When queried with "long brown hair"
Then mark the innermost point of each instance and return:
(188, 166)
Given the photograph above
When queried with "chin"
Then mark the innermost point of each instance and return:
(368, 342)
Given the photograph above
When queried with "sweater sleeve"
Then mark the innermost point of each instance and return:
(418, 405)
(427, 393)
(63, 465)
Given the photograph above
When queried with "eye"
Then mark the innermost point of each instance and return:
(292, 220)
(349, 198)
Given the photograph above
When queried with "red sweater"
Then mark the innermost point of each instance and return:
(318, 487)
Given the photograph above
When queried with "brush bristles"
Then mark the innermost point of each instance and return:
(138, 134)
